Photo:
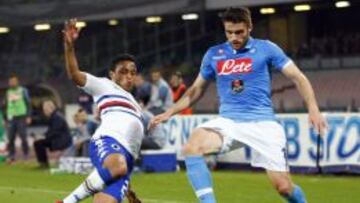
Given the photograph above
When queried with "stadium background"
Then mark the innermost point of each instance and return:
(324, 41)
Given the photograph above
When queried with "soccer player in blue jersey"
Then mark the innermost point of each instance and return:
(241, 69)
(116, 142)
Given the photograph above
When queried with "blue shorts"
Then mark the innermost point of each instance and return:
(101, 148)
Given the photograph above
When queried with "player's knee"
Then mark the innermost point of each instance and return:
(194, 146)
(191, 150)
(284, 188)
(116, 164)
(103, 198)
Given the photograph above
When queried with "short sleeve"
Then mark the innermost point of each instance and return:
(93, 85)
(206, 70)
(277, 58)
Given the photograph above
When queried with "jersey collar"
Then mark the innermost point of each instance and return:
(248, 46)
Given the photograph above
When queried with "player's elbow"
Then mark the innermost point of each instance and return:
(299, 78)
(78, 78)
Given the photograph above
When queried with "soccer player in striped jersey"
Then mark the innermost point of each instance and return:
(116, 143)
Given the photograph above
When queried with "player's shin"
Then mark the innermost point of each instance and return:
(297, 196)
(92, 184)
(200, 178)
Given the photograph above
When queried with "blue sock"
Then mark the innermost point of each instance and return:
(297, 196)
(200, 178)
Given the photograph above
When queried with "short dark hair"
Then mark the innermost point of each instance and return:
(178, 74)
(80, 110)
(155, 70)
(121, 57)
(13, 75)
(237, 15)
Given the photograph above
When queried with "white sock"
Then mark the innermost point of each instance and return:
(92, 184)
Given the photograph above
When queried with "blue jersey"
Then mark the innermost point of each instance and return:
(243, 78)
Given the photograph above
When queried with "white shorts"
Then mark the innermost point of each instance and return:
(266, 139)
(123, 127)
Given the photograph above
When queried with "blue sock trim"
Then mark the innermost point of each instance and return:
(297, 196)
(200, 178)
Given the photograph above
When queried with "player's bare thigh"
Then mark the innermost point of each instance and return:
(116, 164)
(104, 198)
(203, 141)
(281, 181)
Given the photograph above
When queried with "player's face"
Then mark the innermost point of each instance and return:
(13, 82)
(139, 80)
(48, 108)
(155, 76)
(124, 74)
(237, 34)
(174, 81)
(82, 116)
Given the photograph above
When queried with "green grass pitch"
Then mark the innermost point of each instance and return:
(22, 183)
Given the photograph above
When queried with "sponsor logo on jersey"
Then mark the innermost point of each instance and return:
(234, 66)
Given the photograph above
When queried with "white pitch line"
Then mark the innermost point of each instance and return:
(41, 190)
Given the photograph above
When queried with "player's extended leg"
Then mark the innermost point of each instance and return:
(103, 197)
(201, 142)
(113, 167)
(116, 191)
(284, 186)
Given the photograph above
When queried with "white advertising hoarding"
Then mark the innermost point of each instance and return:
(339, 148)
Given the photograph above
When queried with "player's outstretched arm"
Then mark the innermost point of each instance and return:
(192, 95)
(70, 35)
(304, 87)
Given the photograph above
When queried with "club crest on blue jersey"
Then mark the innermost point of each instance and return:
(237, 86)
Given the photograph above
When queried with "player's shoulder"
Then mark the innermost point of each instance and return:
(262, 42)
(217, 49)
(99, 78)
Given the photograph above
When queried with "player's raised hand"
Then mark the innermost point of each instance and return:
(160, 118)
(318, 122)
(70, 32)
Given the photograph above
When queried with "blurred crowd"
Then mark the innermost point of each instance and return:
(154, 93)
(339, 44)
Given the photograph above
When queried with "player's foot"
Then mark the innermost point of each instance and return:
(10, 161)
(58, 201)
(131, 196)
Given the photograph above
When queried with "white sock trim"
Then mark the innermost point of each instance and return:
(204, 191)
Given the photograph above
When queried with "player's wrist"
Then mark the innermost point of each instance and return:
(171, 112)
(313, 107)
(69, 46)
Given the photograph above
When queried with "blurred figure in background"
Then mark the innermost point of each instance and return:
(86, 102)
(18, 113)
(178, 88)
(142, 87)
(2, 138)
(85, 128)
(57, 136)
(161, 96)
(154, 138)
